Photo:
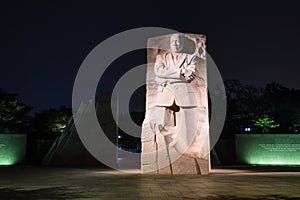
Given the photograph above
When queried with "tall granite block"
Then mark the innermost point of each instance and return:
(175, 132)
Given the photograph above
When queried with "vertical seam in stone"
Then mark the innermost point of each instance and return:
(197, 166)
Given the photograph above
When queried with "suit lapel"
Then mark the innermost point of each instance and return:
(170, 61)
(180, 61)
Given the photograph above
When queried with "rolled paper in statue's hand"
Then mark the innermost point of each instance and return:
(188, 70)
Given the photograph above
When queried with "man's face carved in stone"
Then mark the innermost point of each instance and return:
(176, 43)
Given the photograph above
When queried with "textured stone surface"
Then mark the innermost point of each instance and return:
(156, 156)
(68, 150)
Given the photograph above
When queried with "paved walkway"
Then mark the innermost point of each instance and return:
(64, 183)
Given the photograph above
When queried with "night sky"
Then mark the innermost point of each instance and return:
(44, 43)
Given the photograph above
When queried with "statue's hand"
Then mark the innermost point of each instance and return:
(191, 77)
(188, 72)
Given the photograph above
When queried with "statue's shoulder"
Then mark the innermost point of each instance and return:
(162, 56)
(192, 58)
(165, 54)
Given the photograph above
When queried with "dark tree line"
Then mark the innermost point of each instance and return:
(51, 123)
(15, 117)
(272, 109)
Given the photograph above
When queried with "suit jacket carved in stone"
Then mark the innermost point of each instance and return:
(173, 86)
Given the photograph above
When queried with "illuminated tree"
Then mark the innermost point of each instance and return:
(266, 123)
(14, 116)
(51, 122)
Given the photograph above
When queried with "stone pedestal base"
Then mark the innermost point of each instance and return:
(159, 159)
(187, 165)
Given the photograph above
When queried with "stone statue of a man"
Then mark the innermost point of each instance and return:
(173, 122)
(174, 72)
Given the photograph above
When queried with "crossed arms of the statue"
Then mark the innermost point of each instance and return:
(183, 73)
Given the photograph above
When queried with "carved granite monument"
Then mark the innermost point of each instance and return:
(175, 134)
(68, 149)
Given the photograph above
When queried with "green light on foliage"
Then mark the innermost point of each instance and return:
(266, 123)
(58, 127)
